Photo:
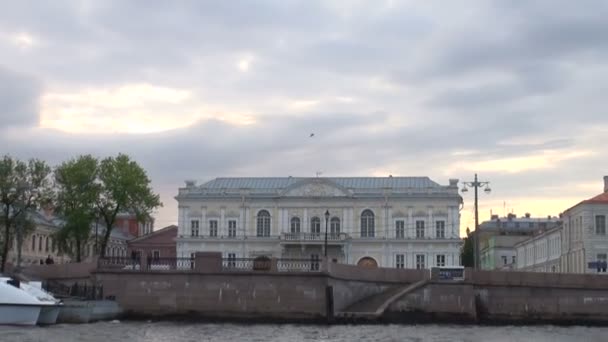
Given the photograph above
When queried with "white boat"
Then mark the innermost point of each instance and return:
(50, 305)
(17, 307)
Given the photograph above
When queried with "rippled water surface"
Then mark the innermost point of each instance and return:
(171, 331)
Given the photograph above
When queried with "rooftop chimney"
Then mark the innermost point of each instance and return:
(605, 183)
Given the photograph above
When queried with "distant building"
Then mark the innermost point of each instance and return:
(40, 243)
(584, 239)
(540, 253)
(158, 244)
(403, 222)
(129, 224)
(499, 253)
(498, 238)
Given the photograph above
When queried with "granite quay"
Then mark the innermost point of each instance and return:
(209, 287)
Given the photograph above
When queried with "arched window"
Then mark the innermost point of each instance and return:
(33, 243)
(335, 225)
(46, 244)
(295, 224)
(40, 244)
(315, 225)
(263, 227)
(367, 224)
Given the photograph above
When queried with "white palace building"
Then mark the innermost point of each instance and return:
(404, 222)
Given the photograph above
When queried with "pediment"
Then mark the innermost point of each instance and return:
(315, 188)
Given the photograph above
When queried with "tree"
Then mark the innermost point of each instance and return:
(23, 186)
(77, 194)
(468, 254)
(124, 187)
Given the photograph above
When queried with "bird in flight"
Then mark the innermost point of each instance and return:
(312, 135)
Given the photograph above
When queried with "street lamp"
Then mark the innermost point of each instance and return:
(326, 221)
(476, 184)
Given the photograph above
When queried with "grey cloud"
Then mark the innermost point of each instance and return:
(553, 52)
(19, 98)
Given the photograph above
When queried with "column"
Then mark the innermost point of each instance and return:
(247, 221)
(455, 222)
(390, 223)
(240, 225)
(203, 226)
(449, 224)
(304, 227)
(343, 224)
(181, 222)
(410, 228)
(275, 221)
(430, 230)
(222, 226)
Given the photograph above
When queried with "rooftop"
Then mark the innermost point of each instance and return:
(346, 182)
(273, 186)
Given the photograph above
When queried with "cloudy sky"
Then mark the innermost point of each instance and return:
(513, 90)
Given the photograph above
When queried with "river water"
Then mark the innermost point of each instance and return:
(172, 331)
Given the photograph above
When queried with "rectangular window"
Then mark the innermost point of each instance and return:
(399, 229)
(194, 227)
(314, 262)
(213, 228)
(420, 262)
(440, 229)
(440, 260)
(600, 224)
(231, 228)
(399, 261)
(419, 229)
(156, 255)
(504, 259)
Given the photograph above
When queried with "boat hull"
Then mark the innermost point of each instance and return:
(49, 314)
(16, 314)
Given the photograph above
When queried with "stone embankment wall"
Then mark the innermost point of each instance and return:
(237, 295)
(525, 297)
(210, 292)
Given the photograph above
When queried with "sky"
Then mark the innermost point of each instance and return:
(512, 90)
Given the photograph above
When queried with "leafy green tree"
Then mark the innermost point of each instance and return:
(124, 187)
(467, 253)
(77, 193)
(23, 186)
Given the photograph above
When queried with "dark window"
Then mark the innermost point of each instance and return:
(263, 223)
(295, 224)
(367, 224)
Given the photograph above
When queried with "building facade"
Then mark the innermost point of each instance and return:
(499, 235)
(158, 244)
(499, 252)
(540, 253)
(39, 244)
(584, 240)
(405, 222)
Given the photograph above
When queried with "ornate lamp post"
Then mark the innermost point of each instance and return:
(476, 184)
(326, 221)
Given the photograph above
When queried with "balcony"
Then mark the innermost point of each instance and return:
(313, 238)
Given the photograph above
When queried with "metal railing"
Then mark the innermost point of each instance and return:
(246, 264)
(306, 236)
(298, 265)
(118, 263)
(149, 264)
